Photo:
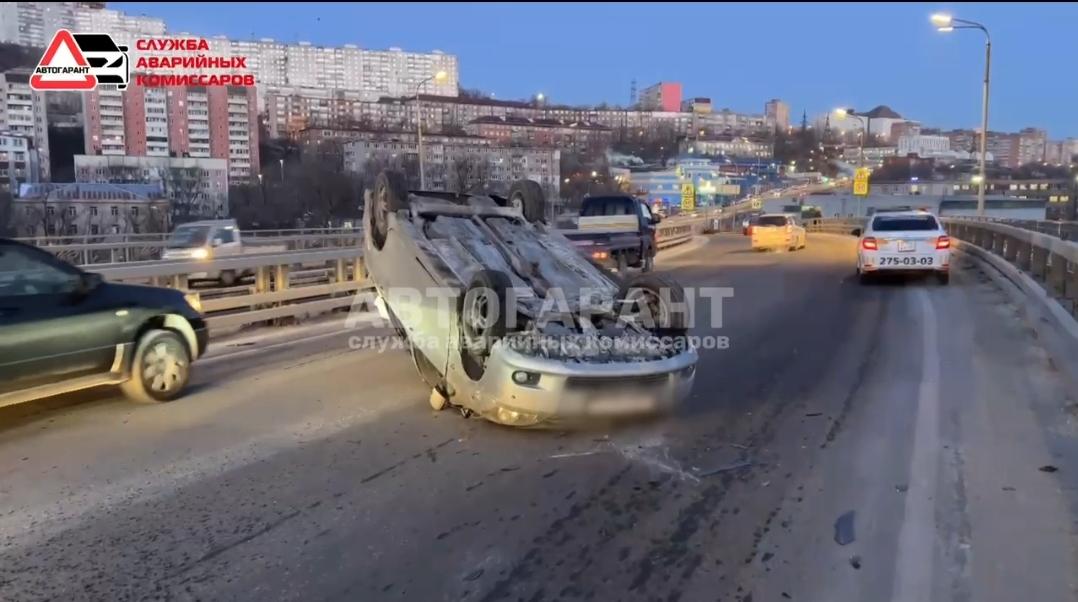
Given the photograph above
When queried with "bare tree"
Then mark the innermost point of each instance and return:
(469, 173)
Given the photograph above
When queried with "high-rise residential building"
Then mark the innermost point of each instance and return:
(307, 69)
(23, 112)
(1031, 145)
(198, 122)
(582, 137)
(777, 113)
(34, 23)
(663, 96)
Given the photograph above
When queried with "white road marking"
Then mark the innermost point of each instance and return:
(916, 537)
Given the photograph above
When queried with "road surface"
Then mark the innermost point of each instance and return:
(908, 421)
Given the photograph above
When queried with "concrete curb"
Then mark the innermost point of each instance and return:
(1025, 283)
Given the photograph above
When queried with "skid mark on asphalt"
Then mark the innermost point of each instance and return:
(867, 361)
(222, 549)
(388, 469)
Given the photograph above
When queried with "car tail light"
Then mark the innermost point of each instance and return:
(600, 255)
(943, 242)
(868, 243)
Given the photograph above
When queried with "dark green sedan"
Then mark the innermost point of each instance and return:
(63, 329)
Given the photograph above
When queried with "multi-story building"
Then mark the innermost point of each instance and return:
(199, 122)
(194, 187)
(924, 146)
(493, 167)
(20, 162)
(1031, 145)
(874, 156)
(82, 208)
(34, 23)
(23, 112)
(777, 113)
(1056, 192)
(698, 104)
(663, 96)
(732, 146)
(1061, 152)
(370, 73)
(518, 131)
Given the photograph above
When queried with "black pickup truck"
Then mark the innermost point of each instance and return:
(616, 231)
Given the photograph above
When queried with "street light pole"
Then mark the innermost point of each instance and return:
(947, 23)
(419, 125)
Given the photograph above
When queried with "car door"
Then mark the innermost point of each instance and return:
(53, 326)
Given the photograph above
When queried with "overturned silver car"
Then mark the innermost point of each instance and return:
(505, 318)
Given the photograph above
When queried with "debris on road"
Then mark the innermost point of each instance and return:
(1008, 489)
(727, 468)
(844, 533)
(1048, 468)
(813, 414)
(855, 562)
(575, 454)
(903, 488)
(472, 576)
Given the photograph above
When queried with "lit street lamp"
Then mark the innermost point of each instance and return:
(842, 114)
(947, 23)
(440, 76)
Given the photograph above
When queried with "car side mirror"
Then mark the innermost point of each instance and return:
(856, 232)
(88, 281)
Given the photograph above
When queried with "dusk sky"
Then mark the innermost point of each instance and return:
(814, 56)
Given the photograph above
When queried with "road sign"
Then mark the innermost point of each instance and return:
(860, 181)
(688, 197)
(757, 204)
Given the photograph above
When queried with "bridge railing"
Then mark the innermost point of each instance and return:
(1049, 260)
(286, 284)
(1064, 230)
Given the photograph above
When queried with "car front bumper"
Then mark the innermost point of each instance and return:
(566, 391)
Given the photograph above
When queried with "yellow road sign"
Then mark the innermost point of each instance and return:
(860, 181)
(757, 204)
(688, 197)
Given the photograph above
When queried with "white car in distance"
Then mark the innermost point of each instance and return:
(904, 241)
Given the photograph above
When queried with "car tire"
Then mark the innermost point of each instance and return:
(527, 196)
(944, 278)
(160, 368)
(390, 195)
(864, 277)
(671, 313)
(479, 328)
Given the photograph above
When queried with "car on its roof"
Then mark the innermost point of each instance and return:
(505, 318)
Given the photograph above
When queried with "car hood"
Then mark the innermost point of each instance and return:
(146, 296)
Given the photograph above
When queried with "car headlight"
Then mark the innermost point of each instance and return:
(200, 253)
(193, 300)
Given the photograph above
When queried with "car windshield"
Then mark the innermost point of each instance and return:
(905, 223)
(772, 220)
(187, 237)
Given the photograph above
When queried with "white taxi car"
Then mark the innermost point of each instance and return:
(904, 241)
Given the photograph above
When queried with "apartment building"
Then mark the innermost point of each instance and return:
(23, 112)
(198, 122)
(574, 136)
(34, 23)
(194, 187)
(777, 113)
(495, 167)
(20, 162)
(663, 96)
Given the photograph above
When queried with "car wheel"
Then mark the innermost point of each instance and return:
(228, 278)
(943, 278)
(160, 368)
(658, 301)
(390, 195)
(483, 315)
(864, 277)
(527, 196)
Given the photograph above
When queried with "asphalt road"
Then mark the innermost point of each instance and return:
(306, 470)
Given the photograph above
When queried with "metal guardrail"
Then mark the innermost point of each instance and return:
(291, 284)
(1050, 260)
(1059, 229)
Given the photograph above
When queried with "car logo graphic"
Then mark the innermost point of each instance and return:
(81, 61)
